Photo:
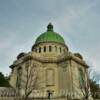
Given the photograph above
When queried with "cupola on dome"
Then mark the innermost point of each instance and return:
(50, 36)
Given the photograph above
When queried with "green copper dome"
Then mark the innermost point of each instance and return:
(50, 36)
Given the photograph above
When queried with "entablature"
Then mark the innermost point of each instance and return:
(42, 59)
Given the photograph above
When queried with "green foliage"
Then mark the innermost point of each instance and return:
(94, 88)
(4, 81)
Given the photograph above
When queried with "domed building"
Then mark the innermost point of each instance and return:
(50, 70)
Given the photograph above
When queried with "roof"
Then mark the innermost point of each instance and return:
(50, 36)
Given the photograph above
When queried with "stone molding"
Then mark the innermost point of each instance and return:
(59, 59)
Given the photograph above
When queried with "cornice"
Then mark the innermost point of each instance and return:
(50, 42)
(41, 59)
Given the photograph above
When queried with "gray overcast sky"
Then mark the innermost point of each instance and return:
(22, 21)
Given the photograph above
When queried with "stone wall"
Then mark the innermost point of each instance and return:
(16, 98)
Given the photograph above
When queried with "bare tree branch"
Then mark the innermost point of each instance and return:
(30, 79)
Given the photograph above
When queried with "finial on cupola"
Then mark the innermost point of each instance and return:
(50, 27)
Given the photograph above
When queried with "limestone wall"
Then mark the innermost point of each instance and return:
(16, 98)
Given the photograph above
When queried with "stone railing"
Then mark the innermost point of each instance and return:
(7, 92)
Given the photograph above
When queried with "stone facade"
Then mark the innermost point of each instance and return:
(59, 72)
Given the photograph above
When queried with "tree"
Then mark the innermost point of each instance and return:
(91, 84)
(30, 79)
(94, 78)
(84, 85)
(94, 88)
(3, 81)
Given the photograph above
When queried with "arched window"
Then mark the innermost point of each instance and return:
(50, 48)
(44, 48)
(60, 49)
(39, 49)
(64, 50)
(56, 48)
(35, 49)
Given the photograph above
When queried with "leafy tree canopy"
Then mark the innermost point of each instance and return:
(3, 81)
(94, 88)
